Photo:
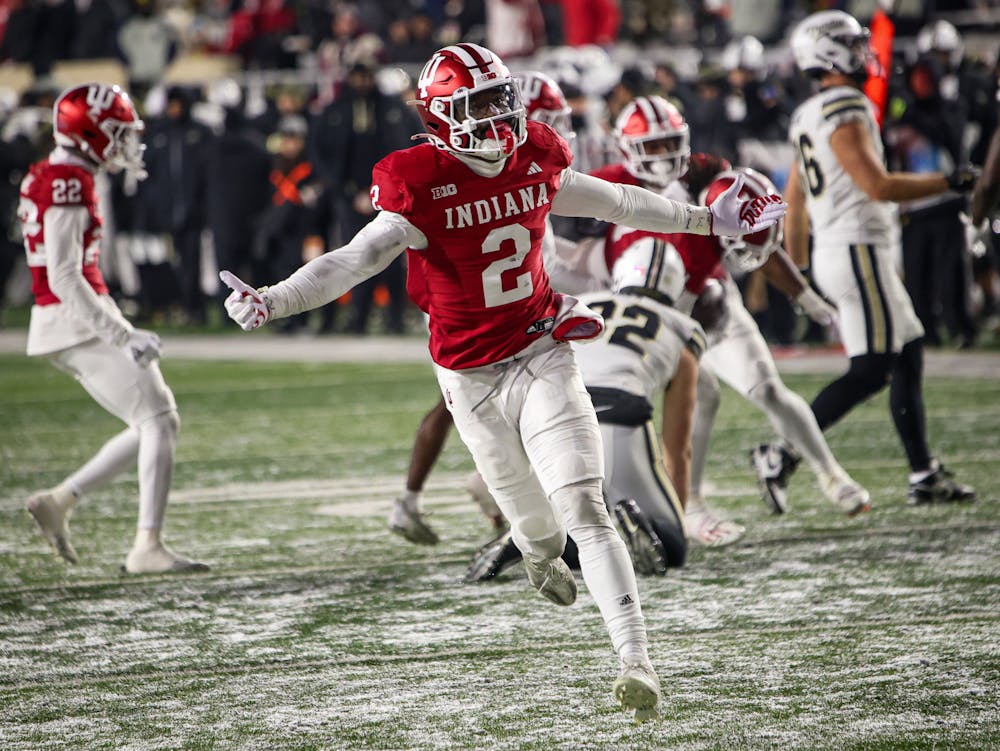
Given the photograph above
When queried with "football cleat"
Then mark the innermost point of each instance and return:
(637, 689)
(649, 557)
(52, 519)
(845, 494)
(159, 559)
(411, 525)
(774, 465)
(552, 578)
(493, 558)
(702, 526)
(939, 487)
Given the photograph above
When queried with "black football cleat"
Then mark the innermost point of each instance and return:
(774, 466)
(493, 558)
(649, 557)
(939, 487)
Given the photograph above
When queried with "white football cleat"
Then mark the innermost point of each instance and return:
(849, 497)
(637, 689)
(411, 525)
(159, 559)
(552, 578)
(52, 519)
(701, 525)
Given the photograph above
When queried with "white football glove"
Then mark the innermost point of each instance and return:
(143, 346)
(732, 216)
(816, 307)
(245, 305)
(975, 236)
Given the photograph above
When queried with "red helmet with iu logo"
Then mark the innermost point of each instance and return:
(100, 121)
(654, 140)
(746, 252)
(545, 101)
(470, 104)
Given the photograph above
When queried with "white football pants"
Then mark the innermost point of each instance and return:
(530, 427)
(139, 397)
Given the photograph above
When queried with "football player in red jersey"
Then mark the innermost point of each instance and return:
(78, 327)
(470, 208)
(543, 101)
(653, 139)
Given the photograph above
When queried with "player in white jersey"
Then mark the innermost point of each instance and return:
(77, 326)
(840, 187)
(469, 209)
(653, 138)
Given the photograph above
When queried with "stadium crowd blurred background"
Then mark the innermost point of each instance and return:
(264, 118)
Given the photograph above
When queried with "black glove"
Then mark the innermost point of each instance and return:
(963, 179)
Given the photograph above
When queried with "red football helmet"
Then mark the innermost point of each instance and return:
(470, 104)
(747, 252)
(100, 121)
(545, 102)
(654, 140)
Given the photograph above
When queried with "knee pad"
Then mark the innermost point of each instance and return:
(167, 423)
(768, 394)
(582, 509)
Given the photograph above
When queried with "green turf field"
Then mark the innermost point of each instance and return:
(317, 629)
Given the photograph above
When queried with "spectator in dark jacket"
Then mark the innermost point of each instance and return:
(171, 200)
(351, 135)
(239, 189)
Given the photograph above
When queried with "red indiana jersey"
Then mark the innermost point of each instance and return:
(480, 278)
(47, 185)
(701, 254)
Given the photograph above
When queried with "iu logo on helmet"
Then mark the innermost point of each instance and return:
(99, 98)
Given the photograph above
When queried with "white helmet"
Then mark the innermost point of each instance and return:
(653, 266)
(746, 252)
(941, 36)
(648, 122)
(831, 40)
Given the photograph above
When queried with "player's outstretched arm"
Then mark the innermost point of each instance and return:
(632, 206)
(326, 278)
(853, 147)
(678, 417)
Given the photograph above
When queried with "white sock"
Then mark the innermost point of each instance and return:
(605, 564)
(795, 422)
(157, 441)
(113, 458)
(412, 501)
(147, 539)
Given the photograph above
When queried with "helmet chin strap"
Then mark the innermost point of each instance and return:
(479, 165)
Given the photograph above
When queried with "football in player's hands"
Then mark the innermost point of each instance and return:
(245, 305)
(711, 309)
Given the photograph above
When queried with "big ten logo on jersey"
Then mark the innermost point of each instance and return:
(66, 191)
(443, 191)
(99, 98)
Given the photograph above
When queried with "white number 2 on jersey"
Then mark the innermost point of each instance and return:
(493, 292)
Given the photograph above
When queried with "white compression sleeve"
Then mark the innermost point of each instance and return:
(64, 229)
(629, 205)
(326, 278)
